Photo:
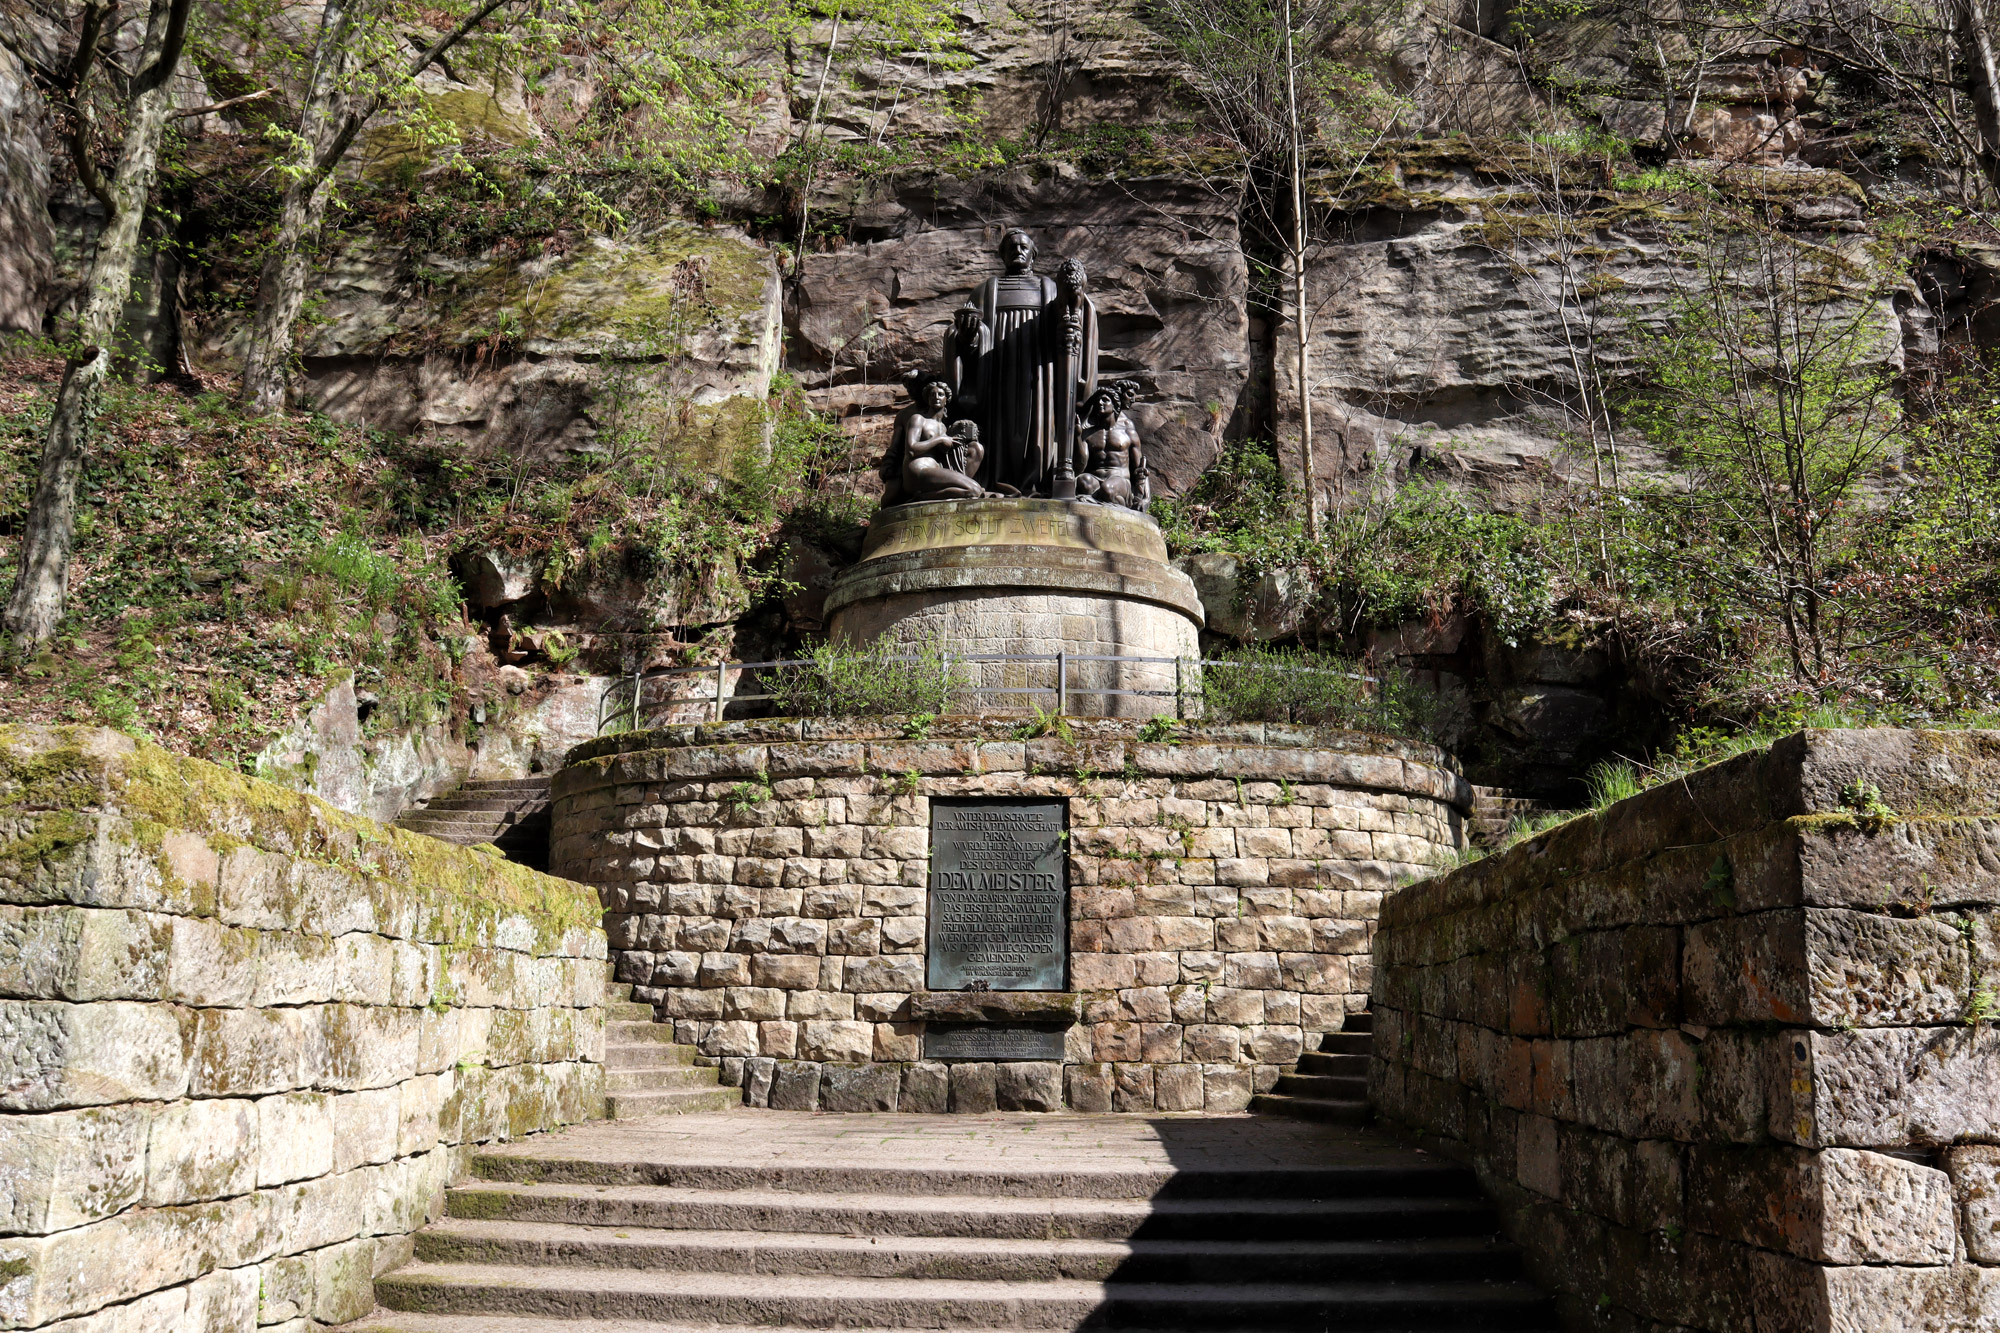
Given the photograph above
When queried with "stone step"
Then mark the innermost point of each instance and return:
(625, 1011)
(1322, 1109)
(447, 818)
(537, 783)
(668, 1078)
(613, 1162)
(472, 837)
(986, 1217)
(399, 1321)
(647, 1055)
(1318, 1062)
(671, 1101)
(819, 1301)
(460, 803)
(1325, 1087)
(1361, 1022)
(618, 1031)
(1347, 1043)
(1494, 810)
(447, 826)
(523, 1244)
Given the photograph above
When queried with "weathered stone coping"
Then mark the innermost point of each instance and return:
(1017, 569)
(1078, 525)
(997, 1006)
(769, 749)
(1769, 805)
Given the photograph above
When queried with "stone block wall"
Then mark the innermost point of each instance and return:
(1725, 1051)
(244, 1038)
(1033, 621)
(764, 887)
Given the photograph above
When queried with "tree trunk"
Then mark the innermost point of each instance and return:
(41, 585)
(1985, 87)
(1299, 306)
(281, 286)
(281, 298)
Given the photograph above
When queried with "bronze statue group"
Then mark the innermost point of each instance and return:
(1016, 408)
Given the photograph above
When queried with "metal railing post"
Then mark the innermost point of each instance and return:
(970, 693)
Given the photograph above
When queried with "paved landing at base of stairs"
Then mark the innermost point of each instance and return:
(1037, 1143)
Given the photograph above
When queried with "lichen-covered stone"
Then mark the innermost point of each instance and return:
(577, 329)
(62, 1170)
(276, 1016)
(1769, 1160)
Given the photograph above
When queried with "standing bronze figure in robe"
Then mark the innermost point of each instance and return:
(1022, 356)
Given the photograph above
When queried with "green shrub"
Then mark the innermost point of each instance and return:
(1259, 684)
(881, 680)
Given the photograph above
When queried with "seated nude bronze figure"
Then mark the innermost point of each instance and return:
(929, 459)
(1115, 470)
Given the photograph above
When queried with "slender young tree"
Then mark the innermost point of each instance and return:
(1301, 321)
(1557, 251)
(1272, 91)
(1769, 387)
(41, 582)
(351, 76)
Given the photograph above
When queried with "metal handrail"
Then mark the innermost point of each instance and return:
(1062, 688)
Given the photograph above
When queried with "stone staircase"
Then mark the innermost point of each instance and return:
(1329, 1084)
(1494, 810)
(510, 813)
(646, 1073)
(964, 1223)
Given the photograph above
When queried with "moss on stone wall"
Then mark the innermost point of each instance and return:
(56, 781)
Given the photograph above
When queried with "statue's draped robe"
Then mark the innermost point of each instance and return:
(1022, 389)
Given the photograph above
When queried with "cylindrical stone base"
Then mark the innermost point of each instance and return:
(1029, 578)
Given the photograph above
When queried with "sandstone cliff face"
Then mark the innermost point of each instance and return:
(1443, 327)
(1026, 67)
(27, 238)
(534, 357)
(1435, 341)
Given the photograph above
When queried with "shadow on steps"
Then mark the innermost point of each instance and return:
(1019, 1222)
(510, 813)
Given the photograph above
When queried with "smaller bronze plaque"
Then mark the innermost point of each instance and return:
(992, 1041)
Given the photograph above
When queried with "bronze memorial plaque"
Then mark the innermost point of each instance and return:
(998, 896)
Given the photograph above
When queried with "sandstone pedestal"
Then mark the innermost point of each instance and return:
(1027, 578)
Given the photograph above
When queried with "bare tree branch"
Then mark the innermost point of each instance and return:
(214, 107)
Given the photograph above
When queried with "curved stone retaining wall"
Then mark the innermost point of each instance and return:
(764, 886)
